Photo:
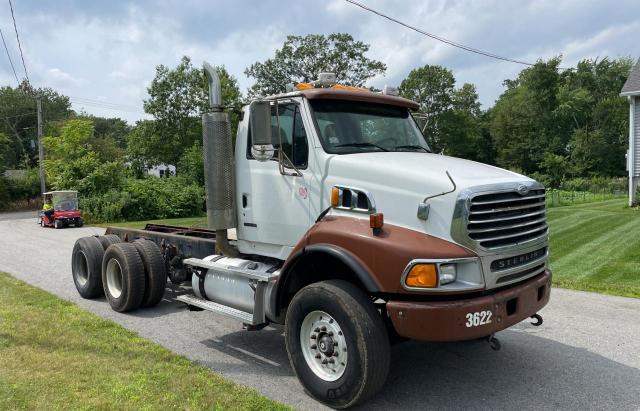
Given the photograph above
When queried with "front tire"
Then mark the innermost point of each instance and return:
(123, 277)
(58, 224)
(337, 343)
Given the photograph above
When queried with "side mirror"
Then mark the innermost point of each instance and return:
(260, 118)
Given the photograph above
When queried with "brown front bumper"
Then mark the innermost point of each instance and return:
(446, 320)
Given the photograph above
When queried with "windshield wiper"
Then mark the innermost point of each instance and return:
(412, 147)
(361, 145)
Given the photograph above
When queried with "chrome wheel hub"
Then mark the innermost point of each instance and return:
(114, 278)
(324, 346)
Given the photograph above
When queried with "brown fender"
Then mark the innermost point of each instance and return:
(377, 260)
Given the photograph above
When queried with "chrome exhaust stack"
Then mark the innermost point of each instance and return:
(217, 148)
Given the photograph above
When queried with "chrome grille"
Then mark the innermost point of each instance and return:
(505, 219)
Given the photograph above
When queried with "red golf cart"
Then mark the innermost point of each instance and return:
(65, 210)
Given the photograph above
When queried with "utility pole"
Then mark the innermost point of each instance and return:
(43, 187)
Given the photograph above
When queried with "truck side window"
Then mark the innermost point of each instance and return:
(291, 130)
(294, 137)
(300, 153)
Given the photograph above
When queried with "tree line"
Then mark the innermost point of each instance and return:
(550, 123)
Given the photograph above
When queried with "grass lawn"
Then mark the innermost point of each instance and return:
(54, 355)
(596, 247)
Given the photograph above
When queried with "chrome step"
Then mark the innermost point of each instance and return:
(245, 317)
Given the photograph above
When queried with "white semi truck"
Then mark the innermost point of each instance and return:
(350, 231)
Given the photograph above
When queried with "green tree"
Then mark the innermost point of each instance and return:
(191, 165)
(523, 123)
(5, 150)
(462, 130)
(432, 87)
(177, 98)
(145, 147)
(450, 118)
(303, 58)
(599, 133)
(576, 115)
(18, 120)
(72, 163)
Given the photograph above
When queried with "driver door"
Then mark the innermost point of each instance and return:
(273, 214)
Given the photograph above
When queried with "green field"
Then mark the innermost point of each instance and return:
(54, 355)
(594, 246)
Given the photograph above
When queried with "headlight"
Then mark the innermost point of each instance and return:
(443, 275)
(447, 273)
(423, 276)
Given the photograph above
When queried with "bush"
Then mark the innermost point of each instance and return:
(596, 184)
(146, 199)
(16, 192)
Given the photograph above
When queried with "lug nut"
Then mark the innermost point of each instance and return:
(314, 347)
(317, 356)
(331, 361)
(317, 330)
(323, 328)
(313, 336)
(330, 333)
(324, 362)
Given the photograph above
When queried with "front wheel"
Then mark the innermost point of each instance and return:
(337, 343)
(58, 224)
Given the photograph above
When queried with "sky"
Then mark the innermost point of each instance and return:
(103, 54)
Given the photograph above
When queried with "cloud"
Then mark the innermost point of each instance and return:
(110, 49)
(59, 77)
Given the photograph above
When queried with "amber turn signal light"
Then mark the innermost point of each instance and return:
(422, 275)
(335, 196)
(376, 220)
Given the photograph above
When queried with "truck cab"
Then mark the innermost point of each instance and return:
(350, 232)
(367, 150)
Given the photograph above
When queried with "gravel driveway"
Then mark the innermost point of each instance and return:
(585, 356)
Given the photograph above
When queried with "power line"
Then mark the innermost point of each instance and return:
(442, 39)
(102, 102)
(19, 45)
(9, 56)
(106, 106)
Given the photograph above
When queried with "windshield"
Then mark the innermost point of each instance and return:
(65, 201)
(347, 127)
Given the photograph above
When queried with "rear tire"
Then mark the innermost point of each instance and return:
(79, 222)
(155, 271)
(344, 329)
(86, 267)
(123, 277)
(107, 240)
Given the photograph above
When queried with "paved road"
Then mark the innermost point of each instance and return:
(585, 356)
(16, 215)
